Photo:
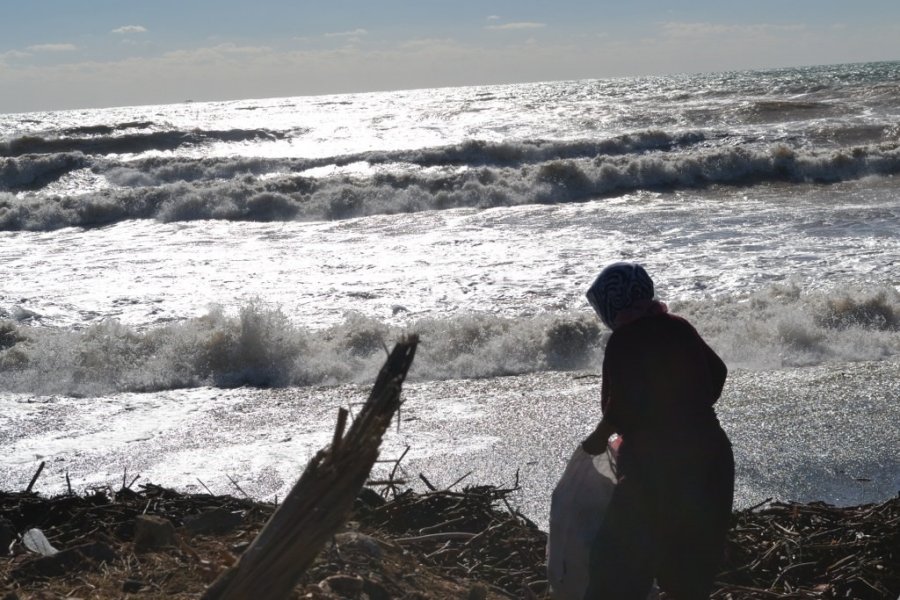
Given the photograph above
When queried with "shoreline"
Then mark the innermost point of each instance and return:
(801, 434)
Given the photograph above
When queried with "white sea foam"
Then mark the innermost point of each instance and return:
(260, 346)
(557, 181)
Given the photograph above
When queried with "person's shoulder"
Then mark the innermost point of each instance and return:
(681, 327)
(677, 321)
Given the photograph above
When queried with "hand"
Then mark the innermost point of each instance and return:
(593, 445)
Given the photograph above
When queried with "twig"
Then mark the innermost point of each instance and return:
(457, 481)
(387, 482)
(427, 483)
(208, 491)
(235, 484)
(397, 464)
(437, 537)
(755, 506)
(35, 478)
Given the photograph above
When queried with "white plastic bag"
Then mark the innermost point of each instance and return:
(577, 508)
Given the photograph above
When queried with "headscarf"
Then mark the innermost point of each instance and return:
(621, 288)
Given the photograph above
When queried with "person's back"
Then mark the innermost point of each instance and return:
(671, 509)
(659, 372)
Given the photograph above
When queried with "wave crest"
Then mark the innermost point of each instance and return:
(34, 171)
(296, 197)
(103, 141)
(260, 346)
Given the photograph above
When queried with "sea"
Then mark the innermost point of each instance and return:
(189, 292)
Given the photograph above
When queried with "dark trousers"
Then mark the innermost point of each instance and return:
(667, 520)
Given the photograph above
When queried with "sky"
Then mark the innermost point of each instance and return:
(65, 54)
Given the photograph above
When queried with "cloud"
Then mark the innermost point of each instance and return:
(517, 26)
(13, 54)
(52, 48)
(129, 29)
(493, 18)
(352, 33)
(222, 52)
(681, 29)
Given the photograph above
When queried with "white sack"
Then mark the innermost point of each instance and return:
(577, 507)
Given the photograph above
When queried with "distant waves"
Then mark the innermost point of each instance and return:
(472, 174)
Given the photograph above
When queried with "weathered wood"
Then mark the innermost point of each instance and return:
(35, 478)
(321, 500)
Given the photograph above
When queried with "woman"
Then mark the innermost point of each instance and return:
(672, 506)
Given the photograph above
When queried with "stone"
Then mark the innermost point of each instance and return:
(153, 533)
(77, 558)
(358, 543)
(239, 548)
(346, 586)
(217, 520)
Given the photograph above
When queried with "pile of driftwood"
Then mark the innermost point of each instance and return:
(814, 551)
(471, 534)
(787, 551)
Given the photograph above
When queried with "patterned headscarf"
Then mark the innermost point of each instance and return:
(619, 286)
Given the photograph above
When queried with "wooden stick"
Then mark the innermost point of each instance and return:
(437, 537)
(321, 500)
(208, 491)
(458, 480)
(427, 483)
(339, 430)
(35, 478)
(235, 484)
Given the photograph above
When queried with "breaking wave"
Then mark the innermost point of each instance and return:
(182, 191)
(33, 171)
(260, 346)
(99, 139)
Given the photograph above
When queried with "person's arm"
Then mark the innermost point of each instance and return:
(596, 443)
(717, 369)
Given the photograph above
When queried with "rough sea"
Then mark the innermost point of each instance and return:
(189, 292)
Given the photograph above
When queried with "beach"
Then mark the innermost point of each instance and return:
(190, 291)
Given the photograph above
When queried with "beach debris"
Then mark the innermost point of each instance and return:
(855, 549)
(470, 534)
(35, 477)
(36, 541)
(815, 550)
(321, 501)
(152, 532)
(78, 558)
(217, 520)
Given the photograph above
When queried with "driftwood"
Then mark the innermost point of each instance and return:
(856, 549)
(796, 551)
(321, 500)
(468, 534)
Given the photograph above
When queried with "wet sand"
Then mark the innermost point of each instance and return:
(826, 433)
